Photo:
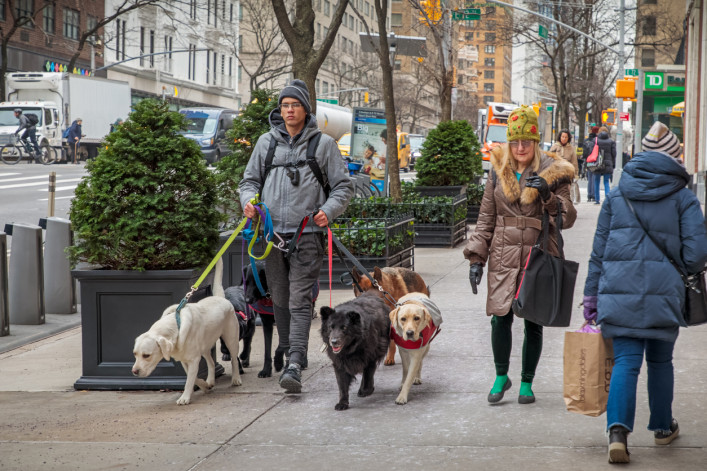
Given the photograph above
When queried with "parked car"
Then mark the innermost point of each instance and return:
(208, 126)
(416, 141)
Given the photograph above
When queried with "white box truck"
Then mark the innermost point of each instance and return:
(58, 98)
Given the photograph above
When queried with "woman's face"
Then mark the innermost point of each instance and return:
(564, 138)
(523, 151)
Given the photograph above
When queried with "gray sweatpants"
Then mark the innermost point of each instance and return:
(290, 283)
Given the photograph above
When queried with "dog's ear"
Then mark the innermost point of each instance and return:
(394, 321)
(354, 317)
(426, 318)
(166, 346)
(355, 275)
(325, 312)
(377, 274)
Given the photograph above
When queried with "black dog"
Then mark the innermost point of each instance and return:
(247, 327)
(357, 334)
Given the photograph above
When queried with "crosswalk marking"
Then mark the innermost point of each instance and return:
(23, 185)
(57, 198)
(60, 188)
(3, 180)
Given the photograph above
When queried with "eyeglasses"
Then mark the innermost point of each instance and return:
(525, 143)
(294, 106)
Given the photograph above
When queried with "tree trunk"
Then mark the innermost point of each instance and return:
(445, 95)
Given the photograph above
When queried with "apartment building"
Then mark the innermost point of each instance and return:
(183, 51)
(48, 42)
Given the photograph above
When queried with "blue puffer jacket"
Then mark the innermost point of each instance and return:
(639, 293)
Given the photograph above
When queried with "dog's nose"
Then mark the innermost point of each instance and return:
(335, 342)
(136, 372)
(410, 333)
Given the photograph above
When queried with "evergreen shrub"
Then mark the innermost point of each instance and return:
(450, 156)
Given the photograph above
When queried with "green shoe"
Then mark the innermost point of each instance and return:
(526, 395)
(495, 397)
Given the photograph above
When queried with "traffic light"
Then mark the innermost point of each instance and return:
(433, 10)
(608, 117)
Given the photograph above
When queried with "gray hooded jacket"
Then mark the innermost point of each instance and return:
(287, 203)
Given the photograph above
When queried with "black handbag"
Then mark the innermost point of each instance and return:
(695, 308)
(546, 289)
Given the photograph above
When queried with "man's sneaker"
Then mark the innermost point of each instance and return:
(664, 438)
(291, 379)
(618, 445)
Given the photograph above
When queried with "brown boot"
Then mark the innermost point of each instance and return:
(618, 446)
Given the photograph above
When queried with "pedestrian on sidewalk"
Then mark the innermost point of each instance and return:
(75, 135)
(608, 147)
(291, 190)
(564, 148)
(633, 291)
(587, 147)
(524, 182)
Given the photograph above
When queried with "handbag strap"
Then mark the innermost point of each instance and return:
(545, 232)
(655, 242)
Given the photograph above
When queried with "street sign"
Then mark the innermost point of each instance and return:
(631, 72)
(331, 101)
(623, 116)
(465, 15)
(549, 108)
(472, 11)
(542, 31)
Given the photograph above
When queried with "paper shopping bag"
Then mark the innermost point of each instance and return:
(588, 361)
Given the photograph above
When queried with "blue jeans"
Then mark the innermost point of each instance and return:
(628, 358)
(597, 181)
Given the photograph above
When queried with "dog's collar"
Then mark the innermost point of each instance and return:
(426, 336)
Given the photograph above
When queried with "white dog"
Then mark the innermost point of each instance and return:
(202, 324)
(414, 323)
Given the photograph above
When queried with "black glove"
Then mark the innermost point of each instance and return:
(540, 184)
(475, 273)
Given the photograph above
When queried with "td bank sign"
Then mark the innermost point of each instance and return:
(654, 81)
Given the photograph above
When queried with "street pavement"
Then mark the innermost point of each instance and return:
(447, 424)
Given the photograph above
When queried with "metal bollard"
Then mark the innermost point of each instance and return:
(26, 279)
(59, 291)
(4, 310)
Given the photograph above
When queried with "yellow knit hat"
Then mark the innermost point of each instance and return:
(523, 124)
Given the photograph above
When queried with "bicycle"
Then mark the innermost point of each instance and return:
(17, 149)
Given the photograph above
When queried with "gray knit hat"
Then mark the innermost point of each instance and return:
(296, 89)
(662, 139)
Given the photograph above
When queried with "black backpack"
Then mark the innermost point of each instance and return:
(292, 169)
(32, 118)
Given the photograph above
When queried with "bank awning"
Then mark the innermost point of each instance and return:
(678, 110)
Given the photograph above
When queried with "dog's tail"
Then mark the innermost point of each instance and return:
(218, 280)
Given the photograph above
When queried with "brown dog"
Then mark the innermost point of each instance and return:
(396, 281)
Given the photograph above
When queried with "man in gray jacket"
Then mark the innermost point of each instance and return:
(291, 190)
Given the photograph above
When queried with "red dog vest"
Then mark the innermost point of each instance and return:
(426, 336)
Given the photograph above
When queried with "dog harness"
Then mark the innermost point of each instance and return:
(427, 334)
(264, 306)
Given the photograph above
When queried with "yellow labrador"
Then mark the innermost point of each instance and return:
(414, 323)
(202, 324)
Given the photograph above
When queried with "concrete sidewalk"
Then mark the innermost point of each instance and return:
(45, 424)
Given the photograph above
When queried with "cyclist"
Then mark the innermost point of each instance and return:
(30, 132)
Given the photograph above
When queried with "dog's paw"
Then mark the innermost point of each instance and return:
(236, 382)
(265, 373)
(245, 362)
(183, 401)
(365, 392)
(401, 400)
(417, 381)
(341, 406)
(389, 361)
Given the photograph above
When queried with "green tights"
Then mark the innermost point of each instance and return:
(501, 340)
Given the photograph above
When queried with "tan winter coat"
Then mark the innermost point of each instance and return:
(509, 223)
(567, 152)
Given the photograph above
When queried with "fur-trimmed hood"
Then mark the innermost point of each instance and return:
(553, 168)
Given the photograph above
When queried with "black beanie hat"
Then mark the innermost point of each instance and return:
(296, 89)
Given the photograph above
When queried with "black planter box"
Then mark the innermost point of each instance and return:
(452, 190)
(236, 254)
(396, 235)
(472, 213)
(116, 307)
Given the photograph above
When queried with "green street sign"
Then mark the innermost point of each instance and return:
(592, 124)
(472, 11)
(463, 16)
(549, 108)
(631, 72)
(331, 101)
(542, 31)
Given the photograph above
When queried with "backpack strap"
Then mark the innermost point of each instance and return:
(312, 146)
(268, 163)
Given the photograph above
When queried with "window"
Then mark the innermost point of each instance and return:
(468, 36)
(490, 11)
(208, 15)
(71, 24)
(192, 9)
(91, 22)
(319, 31)
(48, 20)
(648, 58)
(142, 45)
(215, 67)
(318, 5)
(240, 43)
(191, 70)
(490, 25)
(396, 19)
(650, 2)
(487, 99)
(488, 87)
(119, 39)
(490, 49)
(490, 37)
(490, 62)
(325, 88)
(327, 7)
(2, 10)
(152, 48)
(489, 74)
(318, 86)
(168, 57)
(24, 8)
(368, 9)
(649, 26)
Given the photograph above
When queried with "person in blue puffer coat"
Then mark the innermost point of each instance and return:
(633, 291)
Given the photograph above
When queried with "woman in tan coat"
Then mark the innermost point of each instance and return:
(523, 182)
(564, 148)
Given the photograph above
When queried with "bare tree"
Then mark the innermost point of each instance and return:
(17, 19)
(263, 54)
(299, 34)
(411, 95)
(126, 6)
(349, 75)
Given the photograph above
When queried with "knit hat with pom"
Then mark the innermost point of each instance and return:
(662, 139)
